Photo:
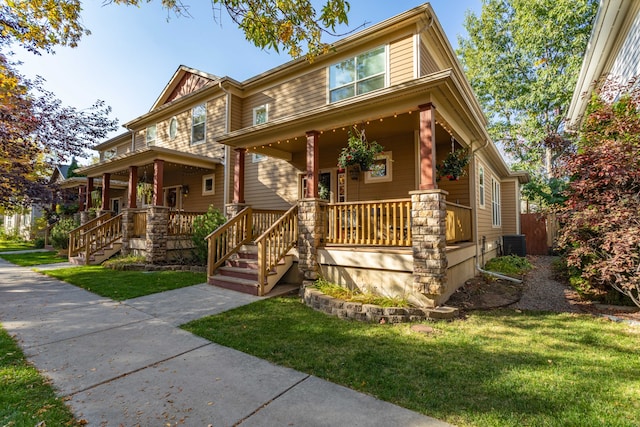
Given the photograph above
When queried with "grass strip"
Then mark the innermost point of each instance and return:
(14, 245)
(498, 368)
(26, 398)
(122, 285)
(34, 258)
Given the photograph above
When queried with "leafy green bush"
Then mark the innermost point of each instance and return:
(203, 225)
(38, 243)
(60, 232)
(511, 265)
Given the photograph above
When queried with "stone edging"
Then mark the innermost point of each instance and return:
(370, 312)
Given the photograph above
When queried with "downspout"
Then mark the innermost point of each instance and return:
(475, 224)
(133, 140)
(227, 149)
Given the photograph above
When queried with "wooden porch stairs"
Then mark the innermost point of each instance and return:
(240, 272)
(98, 257)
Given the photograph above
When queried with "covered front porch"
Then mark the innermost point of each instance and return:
(165, 191)
(401, 214)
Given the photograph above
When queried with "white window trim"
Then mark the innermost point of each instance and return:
(151, 142)
(482, 188)
(388, 156)
(255, 114)
(355, 82)
(193, 124)
(496, 205)
(165, 196)
(109, 154)
(206, 192)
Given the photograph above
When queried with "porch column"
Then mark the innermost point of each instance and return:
(429, 236)
(312, 164)
(106, 184)
(132, 192)
(158, 175)
(427, 147)
(311, 234)
(157, 232)
(127, 229)
(89, 191)
(238, 203)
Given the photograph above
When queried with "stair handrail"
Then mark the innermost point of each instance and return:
(275, 242)
(228, 239)
(76, 236)
(101, 236)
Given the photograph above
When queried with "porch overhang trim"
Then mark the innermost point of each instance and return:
(147, 156)
(386, 101)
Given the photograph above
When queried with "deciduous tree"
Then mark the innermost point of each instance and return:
(522, 58)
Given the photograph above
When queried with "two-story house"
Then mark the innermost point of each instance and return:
(266, 149)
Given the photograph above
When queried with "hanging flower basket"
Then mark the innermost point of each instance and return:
(358, 152)
(454, 165)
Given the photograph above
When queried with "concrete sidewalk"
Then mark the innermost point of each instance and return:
(128, 364)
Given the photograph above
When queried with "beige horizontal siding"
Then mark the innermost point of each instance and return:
(428, 65)
(195, 201)
(401, 60)
(509, 207)
(236, 113)
(270, 184)
(293, 96)
(458, 190)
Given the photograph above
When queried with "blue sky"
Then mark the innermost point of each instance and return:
(133, 52)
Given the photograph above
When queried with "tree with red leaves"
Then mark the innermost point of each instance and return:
(601, 218)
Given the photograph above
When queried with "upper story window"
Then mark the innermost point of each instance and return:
(173, 128)
(109, 154)
(481, 185)
(261, 114)
(198, 123)
(495, 204)
(151, 135)
(358, 75)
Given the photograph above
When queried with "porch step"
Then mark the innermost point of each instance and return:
(235, 284)
(98, 257)
(241, 273)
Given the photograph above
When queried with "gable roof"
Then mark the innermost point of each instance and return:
(184, 81)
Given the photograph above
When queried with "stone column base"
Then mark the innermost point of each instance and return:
(311, 236)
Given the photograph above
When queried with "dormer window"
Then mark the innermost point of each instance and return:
(361, 74)
(151, 135)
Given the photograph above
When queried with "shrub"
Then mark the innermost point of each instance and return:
(601, 218)
(60, 233)
(510, 265)
(38, 243)
(203, 225)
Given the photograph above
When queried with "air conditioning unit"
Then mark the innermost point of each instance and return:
(514, 244)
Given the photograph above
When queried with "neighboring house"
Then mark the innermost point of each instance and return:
(270, 144)
(612, 52)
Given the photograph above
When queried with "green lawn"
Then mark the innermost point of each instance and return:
(121, 285)
(496, 368)
(14, 245)
(35, 258)
(26, 398)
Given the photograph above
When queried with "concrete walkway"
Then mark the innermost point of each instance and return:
(128, 364)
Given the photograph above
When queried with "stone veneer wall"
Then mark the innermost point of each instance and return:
(310, 237)
(428, 231)
(157, 227)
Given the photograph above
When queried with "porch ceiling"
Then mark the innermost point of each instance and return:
(174, 160)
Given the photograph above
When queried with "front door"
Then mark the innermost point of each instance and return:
(115, 206)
